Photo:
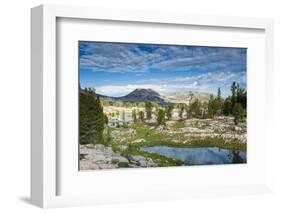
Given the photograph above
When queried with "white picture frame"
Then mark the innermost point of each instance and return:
(45, 168)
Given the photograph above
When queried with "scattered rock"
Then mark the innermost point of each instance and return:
(108, 151)
(170, 123)
(162, 128)
(143, 163)
(139, 140)
(237, 128)
(99, 158)
(132, 131)
(119, 159)
(136, 158)
(87, 165)
(99, 147)
(124, 140)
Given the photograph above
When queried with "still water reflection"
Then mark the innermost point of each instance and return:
(199, 156)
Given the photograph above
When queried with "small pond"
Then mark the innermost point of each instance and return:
(199, 156)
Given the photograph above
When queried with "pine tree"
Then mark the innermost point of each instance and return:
(99, 121)
(105, 119)
(233, 95)
(92, 119)
(148, 109)
(194, 109)
(215, 105)
(242, 97)
(141, 116)
(219, 103)
(227, 106)
(181, 110)
(169, 110)
(211, 112)
(238, 113)
(134, 116)
(219, 94)
(161, 117)
(204, 106)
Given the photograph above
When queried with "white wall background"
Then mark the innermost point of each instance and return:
(15, 104)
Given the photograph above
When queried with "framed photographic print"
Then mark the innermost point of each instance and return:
(149, 106)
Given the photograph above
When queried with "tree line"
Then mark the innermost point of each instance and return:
(234, 105)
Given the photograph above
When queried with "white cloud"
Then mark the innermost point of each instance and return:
(114, 57)
(207, 82)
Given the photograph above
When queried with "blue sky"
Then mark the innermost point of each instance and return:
(116, 69)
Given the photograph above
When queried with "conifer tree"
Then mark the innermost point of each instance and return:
(105, 119)
(92, 118)
(194, 109)
(233, 95)
(161, 117)
(219, 93)
(148, 109)
(238, 113)
(169, 110)
(227, 109)
(211, 112)
(242, 97)
(181, 107)
(134, 116)
(141, 115)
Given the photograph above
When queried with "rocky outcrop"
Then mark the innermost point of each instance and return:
(142, 161)
(222, 127)
(101, 157)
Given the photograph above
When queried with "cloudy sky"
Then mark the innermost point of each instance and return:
(116, 69)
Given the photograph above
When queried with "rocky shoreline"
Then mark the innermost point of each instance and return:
(101, 157)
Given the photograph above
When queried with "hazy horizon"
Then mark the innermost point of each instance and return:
(153, 90)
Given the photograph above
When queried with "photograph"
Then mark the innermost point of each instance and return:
(161, 105)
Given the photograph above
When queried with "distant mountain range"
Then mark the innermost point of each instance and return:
(146, 95)
(185, 97)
